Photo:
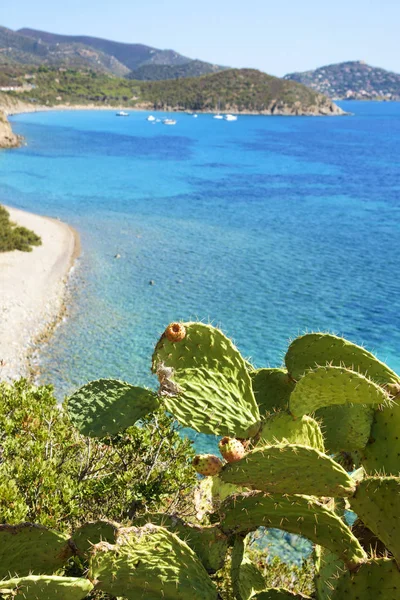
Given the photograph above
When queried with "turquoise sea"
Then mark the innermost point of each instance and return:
(267, 227)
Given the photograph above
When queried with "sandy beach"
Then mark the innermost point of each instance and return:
(32, 290)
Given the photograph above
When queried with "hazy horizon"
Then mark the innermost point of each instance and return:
(275, 39)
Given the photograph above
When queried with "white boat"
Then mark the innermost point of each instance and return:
(230, 118)
(218, 116)
(151, 118)
(195, 116)
(122, 113)
(169, 122)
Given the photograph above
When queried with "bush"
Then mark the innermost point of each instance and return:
(14, 237)
(52, 475)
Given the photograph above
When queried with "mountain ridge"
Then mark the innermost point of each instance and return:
(351, 80)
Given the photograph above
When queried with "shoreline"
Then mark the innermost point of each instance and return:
(33, 291)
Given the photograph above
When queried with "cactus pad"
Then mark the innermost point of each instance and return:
(382, 453)
(296, 514)
(107, 406)
(289, 469)
(319, 349)
(150, 562)
(46, 587)
(205, 384)
(282, 426)
(377, 503)
(246, 579)
(92, 533)
(345, 428)
(209, 543)
(375, 580)
(272, 389)
(327, 386)
(28, 548)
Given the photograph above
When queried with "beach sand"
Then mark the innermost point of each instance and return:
(32, 290)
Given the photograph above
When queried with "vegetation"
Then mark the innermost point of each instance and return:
(15, 237)
(233, 89)
(354, 80)
(280, 471)
(156, 72)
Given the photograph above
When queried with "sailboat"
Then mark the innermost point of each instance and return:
(218, 115)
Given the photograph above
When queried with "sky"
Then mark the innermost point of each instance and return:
(277, 37)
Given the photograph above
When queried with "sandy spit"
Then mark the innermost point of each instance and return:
(32, 290)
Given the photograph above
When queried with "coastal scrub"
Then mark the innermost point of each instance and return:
(15, 237)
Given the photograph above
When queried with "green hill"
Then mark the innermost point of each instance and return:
(233, 90)
(352, 80)
(194, 68)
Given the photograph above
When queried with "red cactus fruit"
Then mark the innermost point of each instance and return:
(175, 332)
(231, 449)
(207, 464)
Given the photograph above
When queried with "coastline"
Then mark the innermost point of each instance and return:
(33, 291)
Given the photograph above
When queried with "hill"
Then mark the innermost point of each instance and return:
(351, 80)
(233, 90)
(146, 62)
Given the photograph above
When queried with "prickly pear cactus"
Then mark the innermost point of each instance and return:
(32, 549)
(375, 579)
(92, 533)
(272, 389)
(283, 427)
(346, 428)
(289, 469)
(205, 384)
(247, 580)
(107, 406)
(326, 386)
(320, 349)
(296, 514)
(209, 543)
(382, 453)
(46, 587)
(150, 562)
(280, 594)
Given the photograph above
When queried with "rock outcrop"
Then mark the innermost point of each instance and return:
(8, 139)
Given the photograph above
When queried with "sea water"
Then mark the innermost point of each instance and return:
(267, 227)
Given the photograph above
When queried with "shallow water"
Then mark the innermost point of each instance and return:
(268, 227)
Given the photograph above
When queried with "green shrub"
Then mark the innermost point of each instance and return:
(14, 237)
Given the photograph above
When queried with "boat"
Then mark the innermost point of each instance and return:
(122, 113)
(218, 116)
(169, 122)
(195, 116)
(230, 118)
(151, 118)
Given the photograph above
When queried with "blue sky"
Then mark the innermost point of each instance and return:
(276, 37)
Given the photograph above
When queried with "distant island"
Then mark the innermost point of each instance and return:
(354, 80)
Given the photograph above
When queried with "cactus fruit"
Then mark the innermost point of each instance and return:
(242, 513)
(107, 406)
(246, 578)
(208, 387)
(231, 449)
(327, 386)
(377, 504)
(207, 464)
(32, 549)
(175, 332)
(289, 469)
(283, 427)
(46, 587)
(272, 389)
(150, 562)
(320, 349)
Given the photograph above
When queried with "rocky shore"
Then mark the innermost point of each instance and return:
(8, 139)
(32, 290)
